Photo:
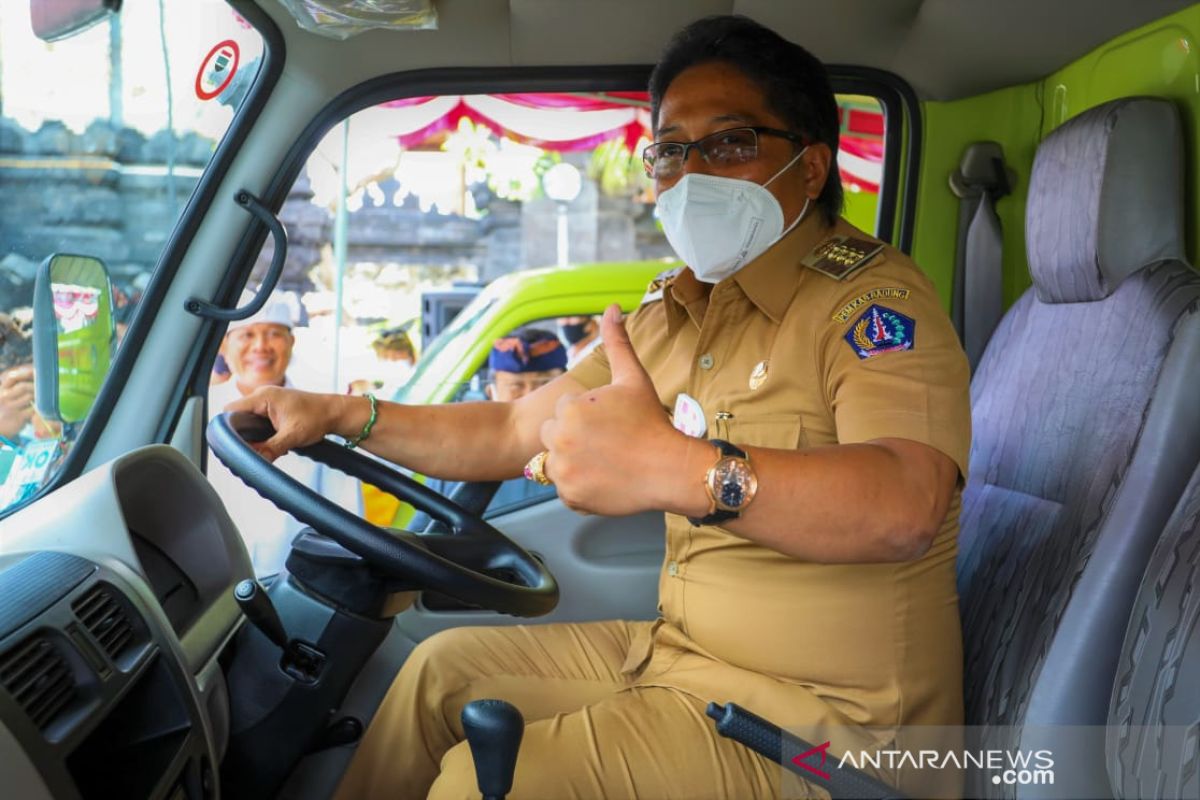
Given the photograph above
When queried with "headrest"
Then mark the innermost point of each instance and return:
(1105, 199)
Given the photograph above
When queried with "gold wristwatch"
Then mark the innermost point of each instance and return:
(731, 485)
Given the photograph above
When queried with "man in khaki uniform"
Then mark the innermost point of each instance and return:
(809, 579)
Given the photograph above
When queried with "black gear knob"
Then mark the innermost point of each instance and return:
(494, 729)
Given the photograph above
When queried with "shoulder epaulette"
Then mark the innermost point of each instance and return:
(841, 256)
(661, 281)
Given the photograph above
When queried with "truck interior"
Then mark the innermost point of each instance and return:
(1040, 164)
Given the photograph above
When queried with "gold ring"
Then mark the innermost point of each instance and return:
(535, 470)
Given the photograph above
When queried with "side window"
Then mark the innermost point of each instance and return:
(860, 158)
(409, 210)
(103, 138)
(419, 208)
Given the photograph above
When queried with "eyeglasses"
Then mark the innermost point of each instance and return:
(726, 148)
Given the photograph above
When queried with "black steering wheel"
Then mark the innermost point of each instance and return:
(449, 563)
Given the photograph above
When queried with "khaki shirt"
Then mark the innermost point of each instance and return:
(797, 642)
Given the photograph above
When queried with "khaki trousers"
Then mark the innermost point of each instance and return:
(590, 732)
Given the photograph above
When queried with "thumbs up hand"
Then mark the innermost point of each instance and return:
(627, 370)
(613, 449)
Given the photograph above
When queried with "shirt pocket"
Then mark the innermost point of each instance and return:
(779, 431)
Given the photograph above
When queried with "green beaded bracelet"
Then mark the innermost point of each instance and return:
(366, 431)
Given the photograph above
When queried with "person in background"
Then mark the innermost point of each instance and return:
(16, 379)
(397, 357)
(257, 352)
(22, 429)
(522, 363)
(220, 371)
(517, 365)
(581, 334)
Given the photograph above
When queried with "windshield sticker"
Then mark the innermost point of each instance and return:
(217, 70)
(880, 330)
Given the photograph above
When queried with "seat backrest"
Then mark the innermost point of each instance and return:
(1154, 721)
(1085, 427)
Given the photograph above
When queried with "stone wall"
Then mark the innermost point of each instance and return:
(117, 194)
(105, 192)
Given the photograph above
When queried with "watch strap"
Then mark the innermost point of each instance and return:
(728, 449)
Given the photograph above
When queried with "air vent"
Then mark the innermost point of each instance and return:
(105, 619)
(38, 678)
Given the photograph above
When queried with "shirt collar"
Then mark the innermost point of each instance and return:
(679, 295)
(769, 281)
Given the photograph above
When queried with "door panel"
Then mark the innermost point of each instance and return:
(606, 567)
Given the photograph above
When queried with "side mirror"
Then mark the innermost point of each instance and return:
(73, 335)
(57, 19)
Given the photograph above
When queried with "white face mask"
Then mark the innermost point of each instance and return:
(718, 225)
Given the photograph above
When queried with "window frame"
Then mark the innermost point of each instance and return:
(901, 147)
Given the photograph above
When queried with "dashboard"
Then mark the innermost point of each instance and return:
(116, 605)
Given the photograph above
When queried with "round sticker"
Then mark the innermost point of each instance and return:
(689, 415)
(217, 69)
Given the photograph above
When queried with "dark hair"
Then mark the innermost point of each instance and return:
(793, 80)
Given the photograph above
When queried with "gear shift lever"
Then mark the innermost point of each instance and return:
(494, 729)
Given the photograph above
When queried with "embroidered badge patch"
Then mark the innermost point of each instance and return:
(880, 330)
(891, 293)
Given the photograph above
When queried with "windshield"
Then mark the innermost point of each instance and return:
(103, 137)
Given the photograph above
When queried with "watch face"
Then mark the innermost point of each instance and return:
(733, 494)
(734, 484)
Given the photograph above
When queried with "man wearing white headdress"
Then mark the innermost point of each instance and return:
(258, 351)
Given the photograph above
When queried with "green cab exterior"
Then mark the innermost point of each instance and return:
(517, 299)
(507, 303)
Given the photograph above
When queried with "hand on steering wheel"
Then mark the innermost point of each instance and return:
(451, 564)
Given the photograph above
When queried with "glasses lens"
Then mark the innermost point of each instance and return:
(734, 146)
(663, 160)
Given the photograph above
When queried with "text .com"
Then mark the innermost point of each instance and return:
(1011, 768)
(1025, 777)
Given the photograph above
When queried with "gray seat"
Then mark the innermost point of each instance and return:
(1154, 723)
(1086, 426)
